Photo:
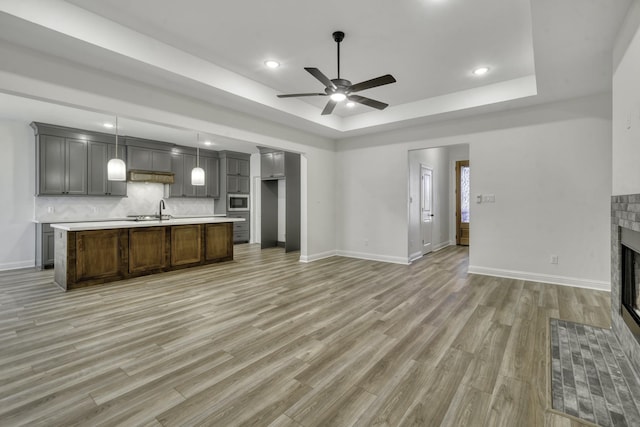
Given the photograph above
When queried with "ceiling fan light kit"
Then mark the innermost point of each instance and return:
(339, 89)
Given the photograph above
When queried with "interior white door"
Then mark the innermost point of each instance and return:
(426, 208)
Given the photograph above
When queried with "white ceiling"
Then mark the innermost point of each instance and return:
(538, 51)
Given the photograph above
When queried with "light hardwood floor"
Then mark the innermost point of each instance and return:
(266, 340)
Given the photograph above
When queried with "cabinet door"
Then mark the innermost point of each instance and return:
(161, 161)
(243, 167)
(52, 165)
(97, 254)
(272, 165)
(211, 173)
(189, 163)
(116, 188)
(232, 184)
(139, 158)
(243, 184)
(98, 157)
(232, 166)
(48, 251)
(218, 241)
(76, 167)
(186, 244)
(266, 165)
(177, 167)
(278, 164)
(147, 249)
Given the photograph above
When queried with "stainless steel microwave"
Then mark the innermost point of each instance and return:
(237, 202)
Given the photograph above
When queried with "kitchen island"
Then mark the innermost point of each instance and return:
(89, 253)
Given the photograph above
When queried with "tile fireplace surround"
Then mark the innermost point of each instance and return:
(625, 212)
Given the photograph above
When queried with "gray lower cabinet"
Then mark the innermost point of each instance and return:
(147, 159)
(241, 230)
(62, 166)
(44, 246)
(99, 154)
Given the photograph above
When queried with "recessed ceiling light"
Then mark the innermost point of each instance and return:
(271, 63)
(108, 125)
(208, 143)
(481, 71)
(351, 104)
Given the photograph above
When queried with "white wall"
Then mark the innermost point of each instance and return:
(17, 175)
(371, 203)
(552, 189)
(550, 172)
(626, 121)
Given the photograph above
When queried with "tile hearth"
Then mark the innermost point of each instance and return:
(591, 377)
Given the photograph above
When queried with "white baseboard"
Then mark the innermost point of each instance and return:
(442, 245)
(414, 256)
(373, 257)
(316, 257)
(17, 265)
(417, 255)
(544, 278)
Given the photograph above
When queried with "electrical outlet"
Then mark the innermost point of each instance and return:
(553, 259)
(50, 209)
(366, 242)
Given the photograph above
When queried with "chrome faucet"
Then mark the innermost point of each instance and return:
(160, 207)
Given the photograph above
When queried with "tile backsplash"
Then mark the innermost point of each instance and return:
(142, 198)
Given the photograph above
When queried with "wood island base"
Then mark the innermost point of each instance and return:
(90, 257)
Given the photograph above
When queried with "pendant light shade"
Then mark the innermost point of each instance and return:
(197, 173)
(197, 176)
(116, 169)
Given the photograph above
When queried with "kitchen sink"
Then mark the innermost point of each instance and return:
(149, 217)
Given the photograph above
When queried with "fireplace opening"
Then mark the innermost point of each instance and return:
(630, 269)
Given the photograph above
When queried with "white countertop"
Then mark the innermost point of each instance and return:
(104, 225)
(126, 218)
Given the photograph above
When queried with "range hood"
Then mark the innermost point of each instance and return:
(150, 176)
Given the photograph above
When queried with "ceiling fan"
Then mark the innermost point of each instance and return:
(340, 89)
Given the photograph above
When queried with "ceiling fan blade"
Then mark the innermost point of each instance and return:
(367, 101)
(318, 75)
(328, 109)
(292, 95)
(378, 81)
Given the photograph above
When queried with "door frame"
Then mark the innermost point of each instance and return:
(459, 164)
(422, 250)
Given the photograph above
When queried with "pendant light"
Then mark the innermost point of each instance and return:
(116, 169)
(197, 173)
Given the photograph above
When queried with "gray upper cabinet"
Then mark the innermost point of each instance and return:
(183, 164)
(62, 166)
(211, 166)
(237, 175)
(147, 159)
(237, 167)
(272, 165)
(99, 154)
(237, 184)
